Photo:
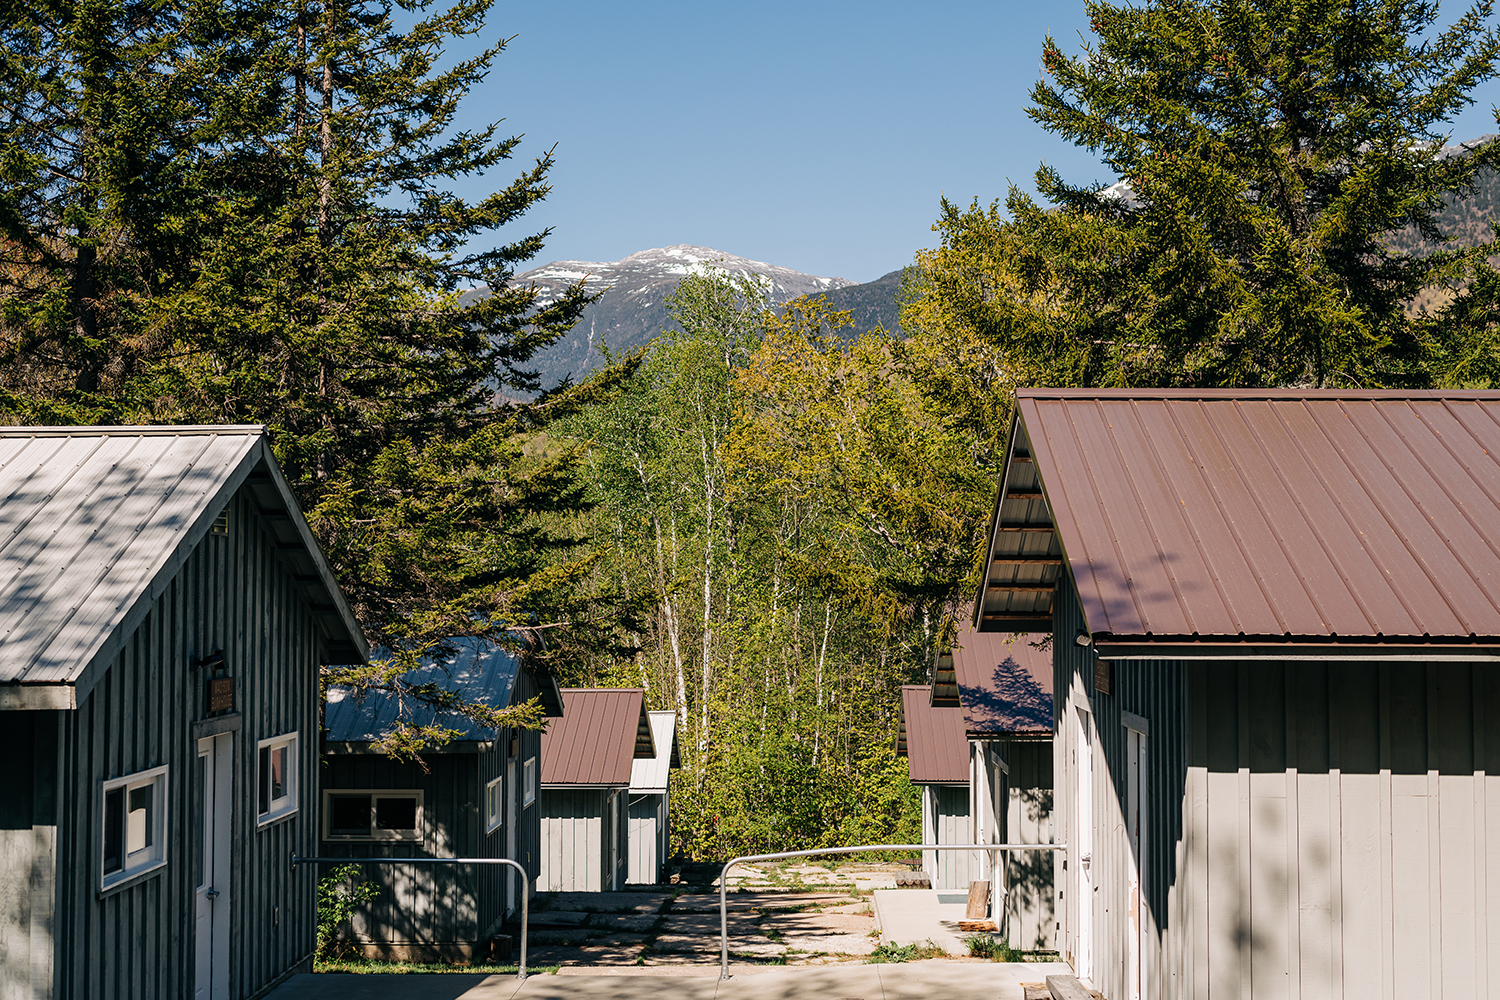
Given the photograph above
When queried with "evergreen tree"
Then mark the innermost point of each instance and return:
(244, 213)
(1267, 150)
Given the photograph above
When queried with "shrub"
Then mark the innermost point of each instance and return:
(340, 893)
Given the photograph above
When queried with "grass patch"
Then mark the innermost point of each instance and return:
(905, 952)
(371, 966)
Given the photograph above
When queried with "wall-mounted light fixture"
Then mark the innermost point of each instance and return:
(1083, 638)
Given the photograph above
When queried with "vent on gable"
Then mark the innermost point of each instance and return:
(221, 523)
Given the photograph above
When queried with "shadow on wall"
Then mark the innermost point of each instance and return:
(1013, 697)
(1031, 908)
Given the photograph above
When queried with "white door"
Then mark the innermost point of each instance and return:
(614, 841)
(1135, 821)
(512, 824)
(215, 783)
(1084, 840)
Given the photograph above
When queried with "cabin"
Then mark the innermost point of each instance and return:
(587, 758)
(1003, 684)
(1275, 619)
(651, 803)
(937, 759)
(164, 609)
(474, 797)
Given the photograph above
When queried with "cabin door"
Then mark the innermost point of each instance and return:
(215, 782)
(1083, 748)
(1135, 823)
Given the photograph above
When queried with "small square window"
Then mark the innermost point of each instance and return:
(134, 821)
(494, 809)
(529, 784)
(276, 778)
(372, 814)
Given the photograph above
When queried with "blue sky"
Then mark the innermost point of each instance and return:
(818, 136)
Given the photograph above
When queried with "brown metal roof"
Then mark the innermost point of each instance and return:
(1271, 516)
(932, 739)
(1004, 684)
(599, 734)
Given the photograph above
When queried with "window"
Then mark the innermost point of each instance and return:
(494, 809)
(530, 782)
(134, 816)
(372, 814)
(276, 778)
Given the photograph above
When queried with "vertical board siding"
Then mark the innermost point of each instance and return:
(645, 819)
(1030, 918)
(233, 593)
(426, 905)
(575, 843)
(1315, 829)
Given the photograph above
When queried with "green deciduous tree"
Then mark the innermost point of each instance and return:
(1268, 152)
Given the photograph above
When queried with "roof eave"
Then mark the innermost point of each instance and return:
(1169, 649)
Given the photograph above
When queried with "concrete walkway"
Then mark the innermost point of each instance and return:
(915, 916)
(909, 981)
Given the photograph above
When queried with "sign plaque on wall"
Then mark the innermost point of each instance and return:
(1104, 675)
(220, 695)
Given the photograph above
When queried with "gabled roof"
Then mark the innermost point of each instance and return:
(477, 669)
(602, 730)
(653, 775)
(932, 739)
(1267, 522)
(94, 521)
(1004, 684)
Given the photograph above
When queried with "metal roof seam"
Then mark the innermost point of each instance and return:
(1330, 551)
(1156, 539)
(1114, 536)
(102, 483)
(1235, 618)
(1416, 554)
(1469, 472)
(1262, 508)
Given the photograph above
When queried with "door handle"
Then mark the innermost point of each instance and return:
(1086, 860)
(212, 893)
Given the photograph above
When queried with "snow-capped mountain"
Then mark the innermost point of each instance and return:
(633, 308)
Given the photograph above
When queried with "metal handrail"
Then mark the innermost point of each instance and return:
(525, 881)
(724, 875)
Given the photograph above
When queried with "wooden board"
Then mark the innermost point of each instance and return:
(979, 900)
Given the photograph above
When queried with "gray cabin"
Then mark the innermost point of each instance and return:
(651, 803)
(1275, 619)
(474, 798)
(587, 757)
(164, 612)
(1002, 682)
(931, 738)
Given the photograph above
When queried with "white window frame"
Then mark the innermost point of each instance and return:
(289, 803)
(528, 782)
(494, 805)
(374, 836)
(134, 864)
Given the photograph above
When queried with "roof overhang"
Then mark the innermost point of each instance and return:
(38, 697)
(1024, 558)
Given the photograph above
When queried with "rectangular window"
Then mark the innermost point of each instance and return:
(372, 814)
(530, 781)
(134, 825)
(493, 809)
(276, 778)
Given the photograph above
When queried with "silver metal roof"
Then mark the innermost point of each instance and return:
(94, 521)
(652, 775)
(477, 669)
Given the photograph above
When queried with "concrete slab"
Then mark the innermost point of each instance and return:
(601, 902)
(975, 980)
(913, 916)
(615, 988)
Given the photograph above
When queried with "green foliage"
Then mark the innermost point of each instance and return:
(993, 948)
(892, 952)
(244, 214)
(1271, 152)
(340, 894)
